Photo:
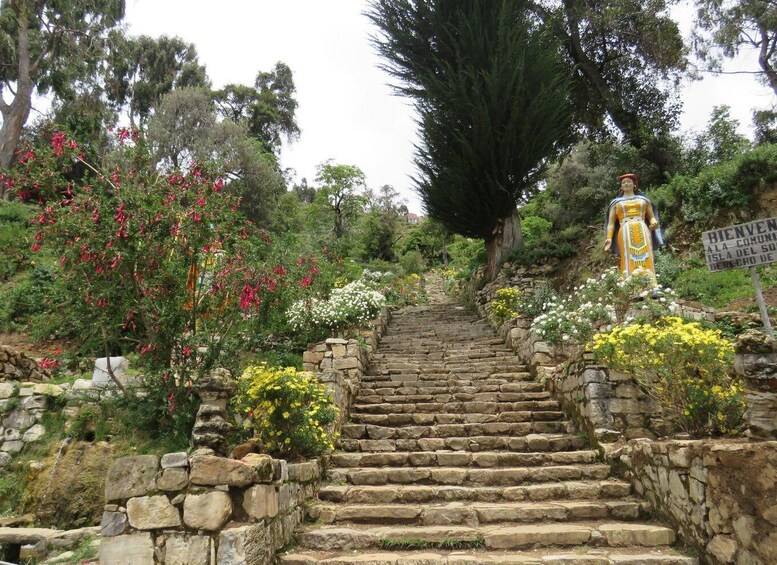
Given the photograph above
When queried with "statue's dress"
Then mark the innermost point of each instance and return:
(632, 234)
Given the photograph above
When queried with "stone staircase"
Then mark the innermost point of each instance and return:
(453, 455)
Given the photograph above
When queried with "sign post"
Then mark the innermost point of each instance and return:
(744, 245)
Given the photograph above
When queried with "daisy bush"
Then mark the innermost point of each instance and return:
(350, 306)
(505, 305)
(288, 409)
(600, 303)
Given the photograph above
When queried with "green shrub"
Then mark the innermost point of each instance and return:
(15, 237)
(412, 263)
(505, 305)
(289, 410)
(534, 228)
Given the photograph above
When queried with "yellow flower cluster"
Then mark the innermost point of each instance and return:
(505, 305)
(682, 364)
(289, 410)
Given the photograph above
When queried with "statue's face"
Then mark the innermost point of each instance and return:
(627, 184)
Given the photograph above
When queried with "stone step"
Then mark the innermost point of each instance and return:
(482, 459)
(451, 386)
(474, 513)
(531, 442)
(510, 402)
(521, 381)
(467, 476)
(511, 397)
(557, 534)
(432, 556)
(607, 489)
(513, 423)
(410, 419)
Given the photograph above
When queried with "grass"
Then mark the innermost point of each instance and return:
(721, 288)
(408, 544)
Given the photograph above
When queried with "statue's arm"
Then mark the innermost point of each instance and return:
(611, 219)
(651, 217)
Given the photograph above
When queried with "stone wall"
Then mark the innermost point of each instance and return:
(340, 363)
(203, 509)
(23, 404)
(721, 495)
(16, 366)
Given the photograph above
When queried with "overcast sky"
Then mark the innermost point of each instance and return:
(346, 111)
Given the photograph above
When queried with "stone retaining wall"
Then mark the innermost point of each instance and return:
(203, 509)
(16, 366)
(22, 405)
(720, 495)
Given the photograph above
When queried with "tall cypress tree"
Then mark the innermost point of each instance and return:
(492, 97)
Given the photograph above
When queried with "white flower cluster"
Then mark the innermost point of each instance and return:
(350, 306)
(601, 302)
(376, 276)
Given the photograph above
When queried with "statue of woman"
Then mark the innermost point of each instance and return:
(632, 228)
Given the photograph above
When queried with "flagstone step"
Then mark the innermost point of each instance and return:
(483, 459)
(607, 489)
(468, 476)
(556, 534)
(506, 404)
(530, 442)
(429, 419)
(451, 386)
(475, 514)
(587, 556)
(513, 423)
(434, 379)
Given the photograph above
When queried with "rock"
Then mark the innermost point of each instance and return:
(179, 459)
(113, 524)
(261, 501)
(217, 388)
(34, 434)
(722, 548)
(245, 544)
(263, 465)
(172, 479)
(211, 428)
(48, 389)
(211, 470)
(152, 513)
(183, 549)
(12, 446)
(100, 376)
(6, 390)
(137, 549)
(131, 476)
(18, 419)
(5, 459)
(82, 385)
(209, 511)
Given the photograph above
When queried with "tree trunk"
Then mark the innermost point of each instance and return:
(16, 113)
(506, 235)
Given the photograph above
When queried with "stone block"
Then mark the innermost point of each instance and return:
(137, 549)
(345, 363)
(173, 479)
(12, 446)
(263, 464)
(208, 511)
(212, 470)
(131, 476)
(34, 402)
(100, 376)
(261, 501)
(6, 390)
(179, 459)
(182, 549)
(35, 433)
(18, 419)
(113, 523)
(238, 546)
(152, 513)
(723, 549)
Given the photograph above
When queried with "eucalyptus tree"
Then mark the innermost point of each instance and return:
(47, 46)
(268, 108)
(626, 58)
(141, 70)
(490, 89)
(725, 27)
